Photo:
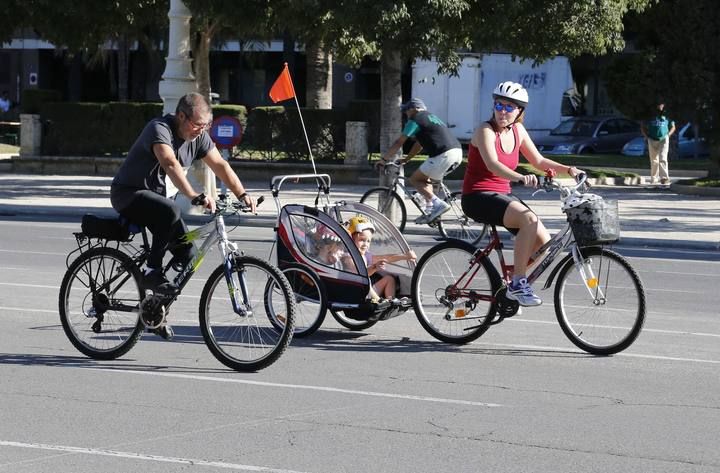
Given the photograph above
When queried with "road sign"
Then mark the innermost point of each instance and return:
(226, 132)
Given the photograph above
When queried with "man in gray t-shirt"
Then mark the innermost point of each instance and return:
(154, 171)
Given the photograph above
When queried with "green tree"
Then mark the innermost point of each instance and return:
(314, 24)
(676, 62)
(214, 21)
(85, 27)
(535, 29)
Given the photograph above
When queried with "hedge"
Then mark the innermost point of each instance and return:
(93, 129)
(109, 129)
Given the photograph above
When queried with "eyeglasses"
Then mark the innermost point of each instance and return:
(508, 107)
(198, 126)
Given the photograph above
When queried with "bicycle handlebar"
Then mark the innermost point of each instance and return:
(226, 206)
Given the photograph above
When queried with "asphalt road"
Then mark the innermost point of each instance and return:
(389, 399)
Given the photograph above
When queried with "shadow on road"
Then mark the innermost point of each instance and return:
(331, 340)
(124, 364)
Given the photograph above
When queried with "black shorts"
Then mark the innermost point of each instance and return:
(489, 207)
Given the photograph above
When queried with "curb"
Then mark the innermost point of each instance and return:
(696, 190)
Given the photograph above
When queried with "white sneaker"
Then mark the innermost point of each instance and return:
(439, 208)
(523, 294)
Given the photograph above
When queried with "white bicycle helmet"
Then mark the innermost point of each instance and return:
(513, 92)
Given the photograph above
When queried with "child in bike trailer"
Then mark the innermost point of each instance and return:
(328, 247)
(432, 135)
(493, 156)
(384, 284)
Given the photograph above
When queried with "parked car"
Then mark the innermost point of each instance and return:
(587, 135)
(688, 144)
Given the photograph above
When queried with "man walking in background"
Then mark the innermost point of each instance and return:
(658, 131)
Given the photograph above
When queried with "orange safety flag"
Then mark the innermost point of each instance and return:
(283, 88)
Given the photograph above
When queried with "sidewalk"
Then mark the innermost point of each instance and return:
(649, 216)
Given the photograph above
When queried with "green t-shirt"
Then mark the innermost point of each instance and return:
(659, 127)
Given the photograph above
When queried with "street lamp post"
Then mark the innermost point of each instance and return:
(178, 80)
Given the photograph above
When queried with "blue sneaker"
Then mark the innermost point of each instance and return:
(522, 293)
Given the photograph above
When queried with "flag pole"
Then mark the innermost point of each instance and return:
(307, 140)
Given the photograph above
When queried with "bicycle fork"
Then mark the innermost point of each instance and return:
(237, 287)
(591, 281)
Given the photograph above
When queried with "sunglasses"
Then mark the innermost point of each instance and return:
(509, 108)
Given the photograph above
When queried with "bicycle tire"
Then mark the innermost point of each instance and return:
(99, 303)
(600, 326)
(436, 272)
(248, 342)
(382, 200)
(310, 298)
(455, 224)
(351, 324)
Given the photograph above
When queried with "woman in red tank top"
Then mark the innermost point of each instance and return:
(492, 159)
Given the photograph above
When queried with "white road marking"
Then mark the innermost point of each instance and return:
(22, 309)
(307, 387)
(33, 252)
(141, 456)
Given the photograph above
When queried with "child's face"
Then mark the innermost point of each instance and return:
(329, 252)
(362, 240)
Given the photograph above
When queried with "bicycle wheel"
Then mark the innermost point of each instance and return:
(254, 336)
(388, 203)
(603, 312)
(448, 305)
(455, 224)
(310, 298)
(99, 299)
(351, 324)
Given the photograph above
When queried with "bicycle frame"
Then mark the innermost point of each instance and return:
(213, 232)
(398, 184)
(543, 257)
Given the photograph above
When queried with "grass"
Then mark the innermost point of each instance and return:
(704, 182)
(628, 162)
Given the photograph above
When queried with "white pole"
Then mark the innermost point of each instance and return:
(302, 122)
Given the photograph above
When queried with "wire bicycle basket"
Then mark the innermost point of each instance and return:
(595, 222)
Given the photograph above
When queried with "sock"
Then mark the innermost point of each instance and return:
(434, 199)
(516, 280)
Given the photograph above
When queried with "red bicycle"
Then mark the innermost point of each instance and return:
(458, 293)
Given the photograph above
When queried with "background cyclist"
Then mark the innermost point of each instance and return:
(493, 156)
(432, 135)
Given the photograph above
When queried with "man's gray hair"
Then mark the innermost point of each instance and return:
(192, 102)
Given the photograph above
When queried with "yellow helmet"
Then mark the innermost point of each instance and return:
(360, 224)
